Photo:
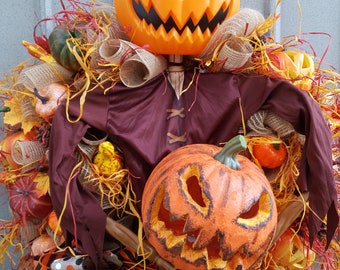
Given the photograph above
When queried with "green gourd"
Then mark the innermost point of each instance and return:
(59, 42)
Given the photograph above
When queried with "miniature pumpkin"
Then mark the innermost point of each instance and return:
(296, 66)
(48, 99)
(59, 42)
(270, 155)
(26, 200)
(289, 252)
(42, 244)
(52, 222)
(173, 27)
(304, 63)
(107, 160)
(205, 209)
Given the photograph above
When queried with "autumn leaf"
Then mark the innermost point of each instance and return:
(15, 116)
(43, 183)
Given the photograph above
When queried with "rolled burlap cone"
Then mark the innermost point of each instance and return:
(234, 54)
(115, 50)
(28, 110)
(28, 154)
(267, 123)
(39, 76)
(141, 67)
(241, 24)
(234, 49)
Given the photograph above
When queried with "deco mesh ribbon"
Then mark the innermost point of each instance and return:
(108, 56)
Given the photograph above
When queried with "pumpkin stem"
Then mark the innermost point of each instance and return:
(43, 99)
(229, 151)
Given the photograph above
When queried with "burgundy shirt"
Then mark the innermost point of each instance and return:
(149, 122)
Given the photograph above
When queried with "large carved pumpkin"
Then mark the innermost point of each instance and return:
(180, 27)
(199, 213)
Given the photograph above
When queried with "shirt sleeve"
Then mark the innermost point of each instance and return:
(71, 201)
(316, 171)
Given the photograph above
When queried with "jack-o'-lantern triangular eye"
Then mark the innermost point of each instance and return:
(192, 188)
(173, 27)
(258, 213)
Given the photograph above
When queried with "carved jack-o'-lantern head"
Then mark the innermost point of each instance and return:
(199, 213)
(180, 27)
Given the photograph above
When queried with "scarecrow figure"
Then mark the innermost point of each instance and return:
(179, 86)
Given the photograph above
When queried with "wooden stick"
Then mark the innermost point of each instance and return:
(130, 239)
(289, 215)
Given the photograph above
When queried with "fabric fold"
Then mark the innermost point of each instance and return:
(137, 117)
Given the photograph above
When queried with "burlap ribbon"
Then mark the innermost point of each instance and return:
(234, 49)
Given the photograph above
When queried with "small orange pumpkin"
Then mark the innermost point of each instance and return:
(48, 99)
(270, 155)
(42, 244)
(173, 27)
(205, 209)
(52, 222)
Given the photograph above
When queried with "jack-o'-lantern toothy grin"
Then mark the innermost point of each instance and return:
(151, 17)
(176, 27)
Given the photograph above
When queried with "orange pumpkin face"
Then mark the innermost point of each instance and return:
(200, 214)
(180, 27)
(293, 65)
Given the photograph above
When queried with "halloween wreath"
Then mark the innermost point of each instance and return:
(153, 135)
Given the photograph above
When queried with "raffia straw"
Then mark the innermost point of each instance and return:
(284, 180)
(114, 188)
(91, 79)
(9, 232)
(66, 198)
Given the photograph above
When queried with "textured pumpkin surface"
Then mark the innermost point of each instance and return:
(49, 99)
(25, 201)
(42, 245)
(200, 214)
(59, 41)
(270, 155)
(173, 27)
(52, 222)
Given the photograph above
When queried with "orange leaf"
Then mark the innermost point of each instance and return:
(43, 183)
(15, 116)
